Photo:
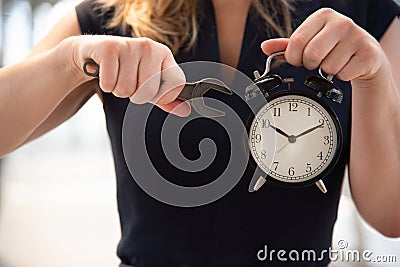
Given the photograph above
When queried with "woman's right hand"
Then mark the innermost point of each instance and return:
(132, 68)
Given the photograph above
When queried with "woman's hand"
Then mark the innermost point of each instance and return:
(340, 47)
(334, 42)
(132, 68)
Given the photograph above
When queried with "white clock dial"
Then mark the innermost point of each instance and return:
(305, 134)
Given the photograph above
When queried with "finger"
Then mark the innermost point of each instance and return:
(168, 92)
(177, 107)
(109, 67)
(274, 45)
(127, 76)
(363, 64)
(148, 79)
(173, 82)
(171, 70)
(363, 59)
(319, 47)
(352, 69)
(303, 34)
(338, 58)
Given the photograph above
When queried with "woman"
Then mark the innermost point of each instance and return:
(360, 48)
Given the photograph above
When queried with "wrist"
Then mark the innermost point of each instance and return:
(376, 92)
(380, 76)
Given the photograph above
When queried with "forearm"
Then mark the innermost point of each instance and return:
(30, 91)
(375, 151)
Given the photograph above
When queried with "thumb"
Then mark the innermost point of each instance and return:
(274, 45)
(177, 107)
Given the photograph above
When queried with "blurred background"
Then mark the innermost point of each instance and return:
(57, 194)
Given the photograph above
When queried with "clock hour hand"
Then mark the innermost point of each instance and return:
(310, 130)
(279, 131)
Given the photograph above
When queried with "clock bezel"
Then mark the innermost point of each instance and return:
(336, 153)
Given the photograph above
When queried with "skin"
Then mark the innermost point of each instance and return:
(61, 55)
(231, 21)
(375, 150)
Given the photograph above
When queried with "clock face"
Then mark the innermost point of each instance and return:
(306, 138)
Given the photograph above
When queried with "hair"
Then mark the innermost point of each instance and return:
(175, 22)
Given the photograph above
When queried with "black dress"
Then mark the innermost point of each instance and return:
(233, 229)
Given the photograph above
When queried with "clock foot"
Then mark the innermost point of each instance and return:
(321, 186)
(260, 182)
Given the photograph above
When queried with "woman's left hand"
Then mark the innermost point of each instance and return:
(334, 42)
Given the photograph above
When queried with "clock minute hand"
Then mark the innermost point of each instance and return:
(279, 131)
(310, 130)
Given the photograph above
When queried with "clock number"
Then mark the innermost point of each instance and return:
(291, 171)
(277, 112)
(320, 155)
(326, 140)
(275, 164)
(308, 112)
(265, 123)
(293, 106)
(258, 138)
(263, 154)
(308, 167)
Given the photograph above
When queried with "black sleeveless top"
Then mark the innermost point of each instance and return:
(233, 229)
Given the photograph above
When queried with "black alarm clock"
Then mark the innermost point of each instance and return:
(308, 136)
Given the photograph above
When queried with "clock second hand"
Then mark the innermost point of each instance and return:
(279, 150)
(290, 138)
